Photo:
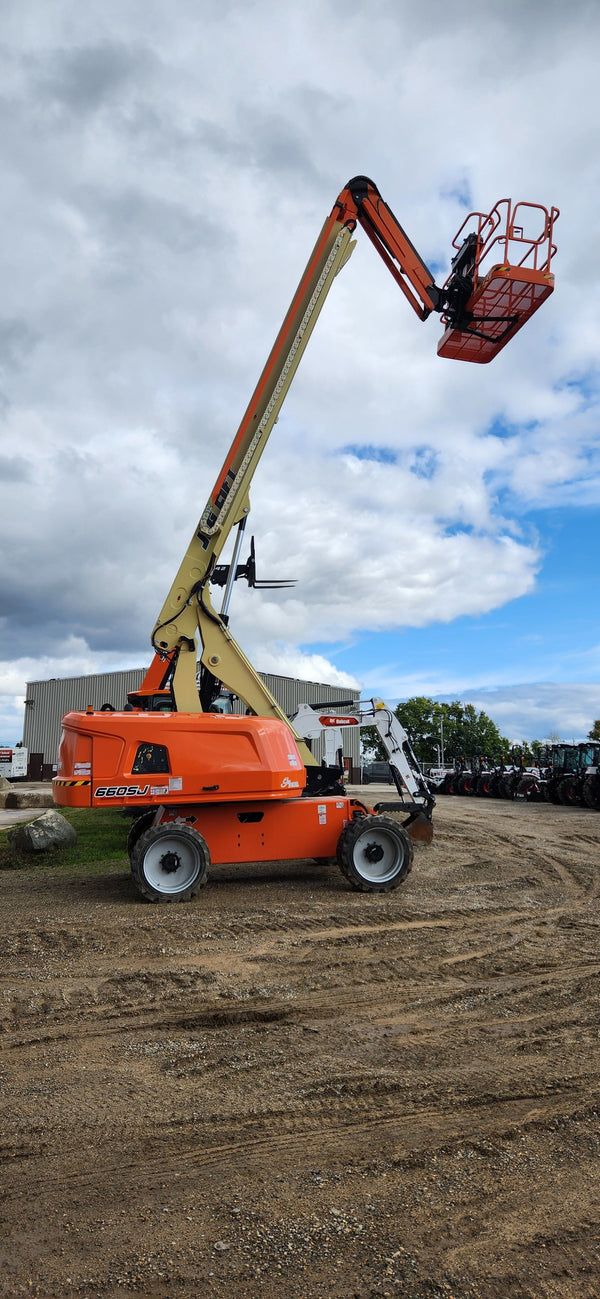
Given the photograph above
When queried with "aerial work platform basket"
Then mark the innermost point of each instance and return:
(500, 276)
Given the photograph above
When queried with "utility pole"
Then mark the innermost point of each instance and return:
(442, 736)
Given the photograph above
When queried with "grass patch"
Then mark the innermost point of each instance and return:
(101, 841)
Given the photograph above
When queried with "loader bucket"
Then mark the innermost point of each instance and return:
(419, 828)
(418, 822)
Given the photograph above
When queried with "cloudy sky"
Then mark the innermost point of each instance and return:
(165, 170)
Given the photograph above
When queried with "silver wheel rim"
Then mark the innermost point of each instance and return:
(172, 863)
(378, 856)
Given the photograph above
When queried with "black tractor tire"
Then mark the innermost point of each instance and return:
(591, 792)
(375, 854)
(568, 792)
(482, 788)
(170, 862)
(138, 827)
(527, 789)
(464, 784)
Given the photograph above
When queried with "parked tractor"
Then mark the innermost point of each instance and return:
(581, 784)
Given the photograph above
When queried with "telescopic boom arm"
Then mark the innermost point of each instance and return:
(188, 608)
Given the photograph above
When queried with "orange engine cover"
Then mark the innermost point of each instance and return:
(142, 758)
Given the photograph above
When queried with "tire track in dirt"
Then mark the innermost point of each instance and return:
(111, 1019)
(297, 1137)
(435, 1052)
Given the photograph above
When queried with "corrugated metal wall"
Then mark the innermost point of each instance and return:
(47, 701)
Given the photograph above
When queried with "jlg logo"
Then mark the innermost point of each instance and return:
(119, 791)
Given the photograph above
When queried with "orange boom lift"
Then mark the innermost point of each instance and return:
(213, 788)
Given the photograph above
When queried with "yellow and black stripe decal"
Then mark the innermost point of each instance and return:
(69, 783)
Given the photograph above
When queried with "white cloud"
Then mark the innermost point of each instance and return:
(287, 661)
(538, 710)
(522, 712)
(167, 180)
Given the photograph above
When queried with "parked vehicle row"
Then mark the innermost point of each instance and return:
(566, 773)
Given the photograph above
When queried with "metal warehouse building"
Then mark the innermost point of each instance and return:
(47, 701)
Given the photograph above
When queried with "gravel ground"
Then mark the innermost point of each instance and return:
(285, 1088)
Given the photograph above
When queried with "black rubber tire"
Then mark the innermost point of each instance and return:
(591, 792)
(568, 792)
(482, 788)
(170, 862)
(464, 784)
(375, 854)
(138, 827)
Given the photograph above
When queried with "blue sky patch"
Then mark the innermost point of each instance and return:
(460, 192)
(424, 462)
(586, 387)
(384, 455)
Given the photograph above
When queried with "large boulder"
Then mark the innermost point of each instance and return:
(48, 831)
(4, 783)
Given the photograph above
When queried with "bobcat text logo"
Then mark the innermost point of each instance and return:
(119, 791)
(290, 784)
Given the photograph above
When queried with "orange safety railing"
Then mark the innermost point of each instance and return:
(500, 276)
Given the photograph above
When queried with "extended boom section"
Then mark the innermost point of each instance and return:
(480, 317)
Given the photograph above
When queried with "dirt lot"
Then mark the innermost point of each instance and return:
(285, 1088)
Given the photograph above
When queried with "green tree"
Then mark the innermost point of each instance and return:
(466, 732)
(371, 748)
(420, 718)
(594, 734)
(469, 733)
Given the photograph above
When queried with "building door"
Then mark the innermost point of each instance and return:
(35, 766)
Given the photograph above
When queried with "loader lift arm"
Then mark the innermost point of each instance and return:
(416, 800)
(188, 608)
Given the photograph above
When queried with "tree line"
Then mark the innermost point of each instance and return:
(453, 731)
